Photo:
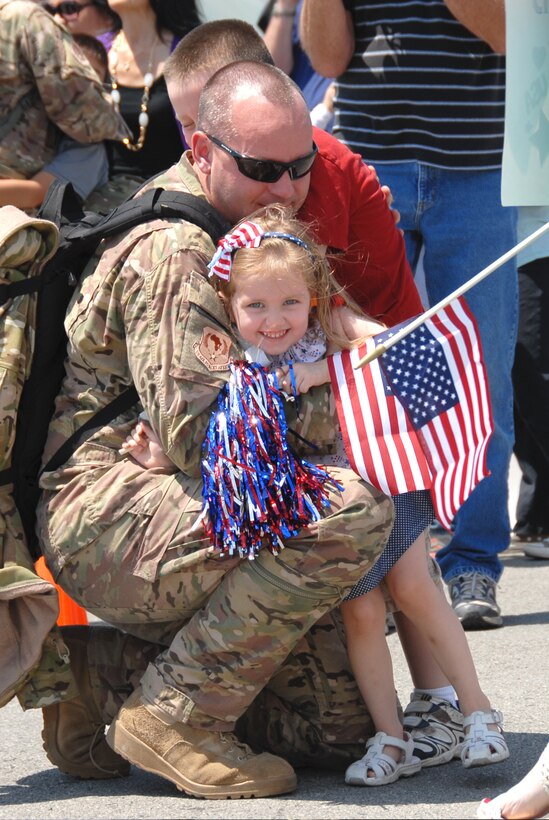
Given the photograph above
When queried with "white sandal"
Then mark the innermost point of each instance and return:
(482, 745)
(385, 769)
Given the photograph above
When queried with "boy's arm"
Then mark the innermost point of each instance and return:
(352, 326)
(349, 208)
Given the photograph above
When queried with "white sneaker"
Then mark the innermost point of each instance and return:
(436, 728)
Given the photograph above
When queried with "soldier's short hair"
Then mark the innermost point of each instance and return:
(237, 80)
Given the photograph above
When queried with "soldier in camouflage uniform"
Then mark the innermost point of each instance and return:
(45, 85)
(243, 645)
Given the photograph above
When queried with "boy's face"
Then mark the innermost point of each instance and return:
(184, 98)
(271, 311)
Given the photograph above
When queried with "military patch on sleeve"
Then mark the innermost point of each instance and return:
(213, 349)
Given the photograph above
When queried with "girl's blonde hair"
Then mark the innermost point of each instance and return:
(277, 253)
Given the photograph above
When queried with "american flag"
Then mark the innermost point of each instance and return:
(419, 416)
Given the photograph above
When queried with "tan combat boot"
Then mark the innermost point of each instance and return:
(207, 764)
(74, 733)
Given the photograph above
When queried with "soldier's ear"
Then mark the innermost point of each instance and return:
(202, 148)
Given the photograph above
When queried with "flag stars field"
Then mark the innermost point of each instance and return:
(418, 416)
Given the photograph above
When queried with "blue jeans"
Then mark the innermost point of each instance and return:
(458, 220)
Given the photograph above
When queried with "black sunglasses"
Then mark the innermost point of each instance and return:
(67, 7)
(268, 170)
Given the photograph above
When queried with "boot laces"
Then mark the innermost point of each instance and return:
(97, 765)
(230, 740)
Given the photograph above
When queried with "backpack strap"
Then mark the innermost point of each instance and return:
(117, 406)
(157, 203)
(62, 207)
(14, 289)
(7, 476)
(62, 204)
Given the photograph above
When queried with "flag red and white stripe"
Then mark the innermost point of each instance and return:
(419, 416)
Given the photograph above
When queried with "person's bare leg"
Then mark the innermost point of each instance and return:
(364, 620)
(415, 594)
(432, 717)
(424, 670)
(527, 800)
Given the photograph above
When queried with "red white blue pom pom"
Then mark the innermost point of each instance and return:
(256, 491)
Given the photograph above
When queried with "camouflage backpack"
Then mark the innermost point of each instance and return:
(41, 261)
(28, 605)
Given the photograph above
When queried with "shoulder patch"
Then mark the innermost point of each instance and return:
(213, 349)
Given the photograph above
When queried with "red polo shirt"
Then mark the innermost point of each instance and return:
(348, 212)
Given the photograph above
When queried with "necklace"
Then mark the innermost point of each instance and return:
(148, 80)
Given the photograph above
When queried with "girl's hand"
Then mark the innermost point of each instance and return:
(306, 375)
(143, 445)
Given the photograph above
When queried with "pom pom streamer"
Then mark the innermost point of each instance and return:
(256, 492)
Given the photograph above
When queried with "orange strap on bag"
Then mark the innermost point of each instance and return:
(70, 613)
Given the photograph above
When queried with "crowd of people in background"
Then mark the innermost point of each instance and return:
(121, 96)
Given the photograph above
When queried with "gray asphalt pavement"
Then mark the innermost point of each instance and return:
(513, 666)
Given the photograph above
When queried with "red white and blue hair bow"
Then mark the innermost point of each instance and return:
(247, 235)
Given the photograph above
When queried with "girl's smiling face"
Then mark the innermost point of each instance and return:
(271, 312)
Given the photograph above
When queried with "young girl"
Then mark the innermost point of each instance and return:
(279, 292)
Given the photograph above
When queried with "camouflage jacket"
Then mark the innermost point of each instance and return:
(46, 84)
(147, 314)
(26, 244)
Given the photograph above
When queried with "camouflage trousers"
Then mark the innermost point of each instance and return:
(310, 712)
(229, 627)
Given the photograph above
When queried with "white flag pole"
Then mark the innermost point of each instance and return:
(379, 350)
